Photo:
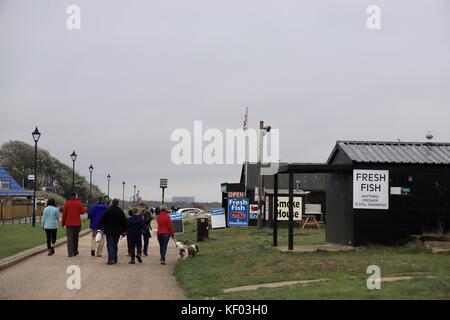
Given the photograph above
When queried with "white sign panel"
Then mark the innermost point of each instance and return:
(283, 208)
(218, 218)
(371, 189)
(31, 177)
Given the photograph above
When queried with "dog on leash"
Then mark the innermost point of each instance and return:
(185, 252)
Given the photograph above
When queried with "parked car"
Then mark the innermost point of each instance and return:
(189, 211)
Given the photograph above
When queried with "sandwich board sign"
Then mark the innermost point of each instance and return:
(238, 212)
(371, 189)
(283, 208)
(177, 222)
(254, 212)
(218, 218)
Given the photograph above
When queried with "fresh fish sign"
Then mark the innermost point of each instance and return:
(371, 189)
(238, 212)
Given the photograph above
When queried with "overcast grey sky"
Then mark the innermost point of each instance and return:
(137, 70)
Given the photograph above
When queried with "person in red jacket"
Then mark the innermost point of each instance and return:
(71, 219)
(164, 233)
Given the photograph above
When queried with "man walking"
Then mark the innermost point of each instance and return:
(145, 212)
(71, 219)
(114, 224)
(96, 212)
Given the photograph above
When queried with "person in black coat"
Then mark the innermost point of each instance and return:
(136, 227)
(114, 225)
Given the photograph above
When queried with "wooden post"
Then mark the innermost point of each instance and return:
(275, 211)
(291, 212)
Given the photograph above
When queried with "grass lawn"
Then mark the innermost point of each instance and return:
(243, 256)
(15, 238)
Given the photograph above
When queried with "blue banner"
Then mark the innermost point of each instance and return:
(217, 211)
(238, 212)
(176, 216)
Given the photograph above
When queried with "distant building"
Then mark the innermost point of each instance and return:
(183, 199)
(313, 183)
(9, 188)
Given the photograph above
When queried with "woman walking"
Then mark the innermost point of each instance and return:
(114, 225)
(50, 223)
(164, 233)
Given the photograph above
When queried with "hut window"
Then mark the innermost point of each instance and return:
(5, 184)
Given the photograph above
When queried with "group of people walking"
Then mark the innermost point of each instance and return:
(108, 224)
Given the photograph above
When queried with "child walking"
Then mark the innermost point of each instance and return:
(135, 228)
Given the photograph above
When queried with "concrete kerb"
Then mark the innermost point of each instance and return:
(21, 256)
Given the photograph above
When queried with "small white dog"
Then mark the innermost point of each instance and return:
(185, 252)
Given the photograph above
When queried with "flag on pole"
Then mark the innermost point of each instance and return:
(246, 119)
(246, 151)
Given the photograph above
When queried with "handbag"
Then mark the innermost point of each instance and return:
(98, 237)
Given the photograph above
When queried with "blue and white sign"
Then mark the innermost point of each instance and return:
(238, 212)
(218, 218)
(177, 222)
(176, 216)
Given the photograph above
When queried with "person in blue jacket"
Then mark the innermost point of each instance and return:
(50, 223)
(95, 214)
(135, 227)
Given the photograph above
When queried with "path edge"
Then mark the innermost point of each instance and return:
(21, 256)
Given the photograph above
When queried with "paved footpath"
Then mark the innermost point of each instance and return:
(44, 277)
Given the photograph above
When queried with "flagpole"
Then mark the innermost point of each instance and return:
(246, 152)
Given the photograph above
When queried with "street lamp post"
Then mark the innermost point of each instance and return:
(134, 196)
(123, 195)
(73, 156)
(109, 178)
(262, 132)
(91, 169)
(36, 135)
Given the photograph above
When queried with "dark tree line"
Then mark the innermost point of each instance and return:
(18, 158)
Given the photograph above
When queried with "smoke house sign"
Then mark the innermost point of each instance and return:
(283, 208)
(371, 189)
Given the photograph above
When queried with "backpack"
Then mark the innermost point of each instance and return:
(147, 217)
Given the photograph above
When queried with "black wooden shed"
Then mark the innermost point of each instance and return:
(415, 198)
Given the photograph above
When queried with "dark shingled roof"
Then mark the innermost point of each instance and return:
(395, 152)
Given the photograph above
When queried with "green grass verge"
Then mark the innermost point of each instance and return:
(243, 256)
(19, 237)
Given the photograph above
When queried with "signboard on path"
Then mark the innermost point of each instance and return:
(238, 212)
(177, 222)
(218, 218)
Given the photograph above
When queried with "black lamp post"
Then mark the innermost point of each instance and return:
(109, 178)
(91, 169)
(36, 135)
(73, 156)
(262, 131)
(134, 196)
(123, 195)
